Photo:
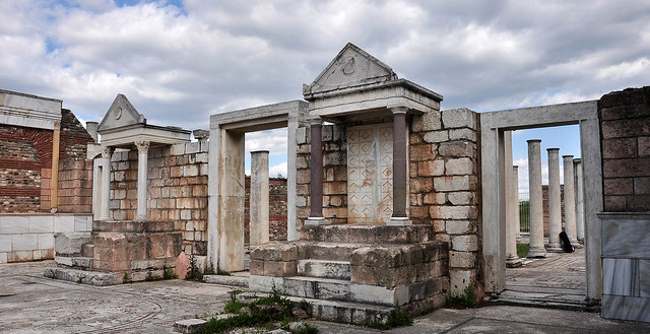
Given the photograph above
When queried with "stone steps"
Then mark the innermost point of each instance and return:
(325, 269)
(563, 301)
(339, 311)
(230, 280)
(371, 234)
(74, 261)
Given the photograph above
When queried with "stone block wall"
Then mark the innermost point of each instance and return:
(335, 174)
(277, 209)
(177, 189)
(444, 167)
(625, 129)
(75, 171)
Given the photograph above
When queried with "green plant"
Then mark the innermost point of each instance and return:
(466, 299)
(168, 273)
(305, 329)
(522, 250)
(193, 271)
(126, 278)
(396, 318)
(233, 306)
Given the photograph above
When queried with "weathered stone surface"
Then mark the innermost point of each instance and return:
(619, 148)
(466, 243)
(325, 269)
(467, 134)
(459, 148)
(431, 168)
(190, 326)
(429, 121)
(460, 166)
(69, 244)
(462, 259)
(275, 251)
(460, 226)
(83, 276)
(619, 186)
(436, 136)
(453, 212)
(459, 118)
(461, 198)
(422, 152)
(460, 279)
(454, 183)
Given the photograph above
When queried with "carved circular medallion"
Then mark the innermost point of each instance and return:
(348, 67)
(118, 114)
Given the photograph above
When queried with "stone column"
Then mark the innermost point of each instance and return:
(512, 259)
(580, 200)
(292, 126)
(554, 200)
(259, 198)
(536, 245)
(316, 175)
(143, 155)
(569, 199)
(515, 178)
(105, 197)
(400, 180)
(54, 181)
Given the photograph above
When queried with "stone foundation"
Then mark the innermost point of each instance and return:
(390, 266)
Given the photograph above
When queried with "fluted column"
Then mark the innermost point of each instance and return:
(259, 198)
(554, 200)
(536, 246)
(569, 199)
(143, 156)
(105, 197)
(580, 208)
(399, 216)
(316, 174)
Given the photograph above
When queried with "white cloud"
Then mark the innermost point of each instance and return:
(278, 170)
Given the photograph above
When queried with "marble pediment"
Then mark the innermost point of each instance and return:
(121, 113)
(352, 67)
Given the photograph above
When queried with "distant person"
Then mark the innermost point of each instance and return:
(565, 243)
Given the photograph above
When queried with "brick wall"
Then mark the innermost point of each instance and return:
(444, 186)
(177, 189)
(625, 128)
(334, 174)
(25, 169)
(277, 209)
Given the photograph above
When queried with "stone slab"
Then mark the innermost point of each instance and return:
(325, 269)
(230, 280)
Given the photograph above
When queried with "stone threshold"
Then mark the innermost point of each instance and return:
(554, 300)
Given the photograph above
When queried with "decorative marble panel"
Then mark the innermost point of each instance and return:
(625, 308)
(626, 235)
(370, 173)
(621, 277)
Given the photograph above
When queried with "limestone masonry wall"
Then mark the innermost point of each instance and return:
(444, 187)
(177, 189)
(75, 172)
(335, 174)
(624, 121)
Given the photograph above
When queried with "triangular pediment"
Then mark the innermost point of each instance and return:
(121, 113)
(351, 67)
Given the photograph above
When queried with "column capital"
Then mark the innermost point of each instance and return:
(577, 160)
(399, 110)
(107, 152)
(142, 145)
(317, 121)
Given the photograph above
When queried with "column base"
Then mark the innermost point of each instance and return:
(514, 262)
(399, 221)
(314, 221)
(554, 248)
(536, 253)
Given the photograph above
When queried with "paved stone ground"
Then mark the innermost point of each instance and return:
(30, 303)
(559, 277)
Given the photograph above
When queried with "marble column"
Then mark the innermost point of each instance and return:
(316, 175)
(569, 199)
(536, 244)
(259, 198)
(580, 200)
(512, 259)
(399, 216)
(105, 197)
(515, 180)
(143, 156)
(554, 200)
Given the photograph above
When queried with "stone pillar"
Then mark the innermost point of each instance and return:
(316, 175)
(105, 197)
(97, 186)
(259, 198)
(400, 180)
(580, 200)
(554, 200)
(143, 155)
(292, 155)
(515, 178)
(569, 199)
(54, 181)
(512, 259)
(214, 181)
(536, 245)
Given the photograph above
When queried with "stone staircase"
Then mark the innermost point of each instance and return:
(356, 273)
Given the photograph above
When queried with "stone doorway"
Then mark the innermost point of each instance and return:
(495, 129)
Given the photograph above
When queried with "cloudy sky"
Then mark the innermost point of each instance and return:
(180, 61)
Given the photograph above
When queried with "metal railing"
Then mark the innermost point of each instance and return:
(524, 213)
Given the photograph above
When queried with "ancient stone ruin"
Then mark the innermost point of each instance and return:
(392, 202)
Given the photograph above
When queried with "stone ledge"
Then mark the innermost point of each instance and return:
(83, 277)
(380, 234)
